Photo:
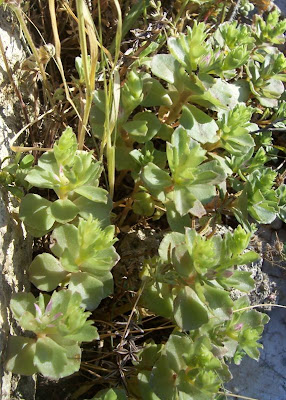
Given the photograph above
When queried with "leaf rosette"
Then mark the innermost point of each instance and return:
(180, 369)
(192, 181)
(73, 175)
(59, 324)
(85, 256)
(191, 280)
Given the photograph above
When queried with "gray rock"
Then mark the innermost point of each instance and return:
(282, 5)
(15, 245)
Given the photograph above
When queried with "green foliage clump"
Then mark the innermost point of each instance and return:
(188, 133)
(85, 257)
(59, 325)
(74, 176)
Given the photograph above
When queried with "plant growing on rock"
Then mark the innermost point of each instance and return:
(85, 257)
(74, 177)
(59, 324)
(185, 134)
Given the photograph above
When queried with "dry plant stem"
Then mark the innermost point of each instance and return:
(111, 124)
(58, 54)
(83, 17)
(259, 305)
(176, 109)
(19, 14)
(236, 396)
(180, 13)
(139, 294)
(21, 149)
(100, 45)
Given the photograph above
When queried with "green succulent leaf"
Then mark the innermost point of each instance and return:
(65, 237)
(158, 299)
(55, 361)
(46, 272)
(66, 147)
(218, 300)
(64, 210)
(164, 66)
(35, 212)
(92, 193)
(20, 355)
(199, 125)
(99, 211)
(91, 289)
(240, 280)
(162, 380)
(144, 386)
(156, 180)
(111, 394)
(45, 174)
(143, 204)
(189, 311)
(22, 302)
(155, 93)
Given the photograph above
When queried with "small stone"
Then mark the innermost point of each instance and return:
(276, 224)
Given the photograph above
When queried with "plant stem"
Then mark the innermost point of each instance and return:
(19, 14)
(83, 47)
(177, 107)
(58, 54)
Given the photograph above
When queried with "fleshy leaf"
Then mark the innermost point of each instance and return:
(35, 212)
(92, 193)
(91, 289)
(20, 355)
(164, 66)
(22, 302)
(156, 180)
(66, 147)
(52, 360)
(46, 272)
(64, 210)
(189, 312)
(199, 125)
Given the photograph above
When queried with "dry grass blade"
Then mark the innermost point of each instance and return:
(259, 305)
(112, 126)
(58, 54)
(118, 32)
(237, 396)
(21, 149)
(85, 22)
(20, 16)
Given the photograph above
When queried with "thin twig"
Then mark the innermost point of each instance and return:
(22, 148)
(140, 291)
(237, 396)
(259, 305)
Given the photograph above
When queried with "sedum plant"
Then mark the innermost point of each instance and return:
(59, 324)
(85, 257)
(189, 131)
(110, 394)
(190, 284)
(197, 273)
(192, 182)
(74, 177)
(195, 363)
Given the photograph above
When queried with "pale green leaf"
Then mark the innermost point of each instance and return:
(199, 125)
(46, 272)
(189, 312)
(92, 193)
(35, 212)
(64, 210)
(20, 355)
